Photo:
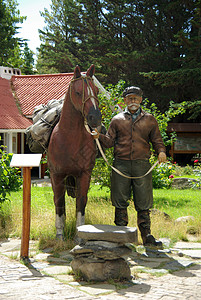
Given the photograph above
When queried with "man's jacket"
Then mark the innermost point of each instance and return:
(131, 139)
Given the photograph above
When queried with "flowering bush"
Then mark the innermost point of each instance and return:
(10, 178)
(162, 176)
(197, 168)
(197, 172)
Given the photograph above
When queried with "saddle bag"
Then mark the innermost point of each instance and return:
(45, 118)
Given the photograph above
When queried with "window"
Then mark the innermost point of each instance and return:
(1, 140)
(14, 143)
(188, 143)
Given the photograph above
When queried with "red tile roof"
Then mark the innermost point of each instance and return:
(33, 90)
(10, 117)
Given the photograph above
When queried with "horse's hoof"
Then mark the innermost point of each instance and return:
(60, 237)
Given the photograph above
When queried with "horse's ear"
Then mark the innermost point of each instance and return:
(77, 72)
(91, 71)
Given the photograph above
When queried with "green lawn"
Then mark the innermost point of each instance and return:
(178, 202)
(187, 176)
(175, 203)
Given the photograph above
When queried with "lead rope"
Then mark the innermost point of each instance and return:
(113, 168)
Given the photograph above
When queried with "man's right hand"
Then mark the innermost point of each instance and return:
(95, 134)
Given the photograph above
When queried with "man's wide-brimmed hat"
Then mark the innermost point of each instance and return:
(132, 90)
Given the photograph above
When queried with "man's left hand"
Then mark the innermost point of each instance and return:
(162, 157)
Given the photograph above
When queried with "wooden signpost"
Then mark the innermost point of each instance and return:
(27, 162)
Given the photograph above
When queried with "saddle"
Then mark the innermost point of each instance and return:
(45, 118)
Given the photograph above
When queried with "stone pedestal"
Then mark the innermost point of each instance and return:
(103, 252)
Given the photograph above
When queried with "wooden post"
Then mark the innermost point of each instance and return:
(26, 218)
(26, 161)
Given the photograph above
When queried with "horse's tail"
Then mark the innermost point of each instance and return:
(71, 186)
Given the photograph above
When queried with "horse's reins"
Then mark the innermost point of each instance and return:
(113, 168)
(89, 131)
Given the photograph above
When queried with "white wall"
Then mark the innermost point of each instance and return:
(7, 73)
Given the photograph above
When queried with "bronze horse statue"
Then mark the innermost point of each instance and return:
(72, 150)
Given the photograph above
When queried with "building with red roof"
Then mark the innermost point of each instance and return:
(12, 123)
(33, 90)
(19, 95)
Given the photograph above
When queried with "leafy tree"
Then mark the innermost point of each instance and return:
(153, 44)
(22, 58)
(16, 59)
(10, 17)
(192, 108)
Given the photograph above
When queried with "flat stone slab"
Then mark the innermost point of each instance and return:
(56, 270)
(101, 249)
(98, 289)
(195, 254)
(185, 245)
(110, 233)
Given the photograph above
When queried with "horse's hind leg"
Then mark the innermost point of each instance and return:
(59, 188)
(83, 183)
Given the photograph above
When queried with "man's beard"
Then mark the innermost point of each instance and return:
(134, 106)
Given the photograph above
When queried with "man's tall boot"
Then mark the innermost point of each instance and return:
(121, 216)
(144, 225)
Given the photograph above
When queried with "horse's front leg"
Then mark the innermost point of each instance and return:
(59, 188)
(83, 183)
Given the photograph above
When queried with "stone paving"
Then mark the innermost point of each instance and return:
(173, 273)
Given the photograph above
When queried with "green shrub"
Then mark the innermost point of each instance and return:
(188, 170)
(178, 170)
(162, 175)
(10, 179)
(197, 168)
(109, 108)
(197, 172)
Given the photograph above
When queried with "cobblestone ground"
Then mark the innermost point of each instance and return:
(170, 274)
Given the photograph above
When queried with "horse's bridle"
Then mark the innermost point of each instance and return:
(84, 79)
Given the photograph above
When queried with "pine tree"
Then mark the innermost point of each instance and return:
(153, 44)
(28, 61)
(182, 80)
(10, 17)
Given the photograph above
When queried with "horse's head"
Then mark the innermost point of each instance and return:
(83, 94)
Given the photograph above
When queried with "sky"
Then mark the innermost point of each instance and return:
(29, 28)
